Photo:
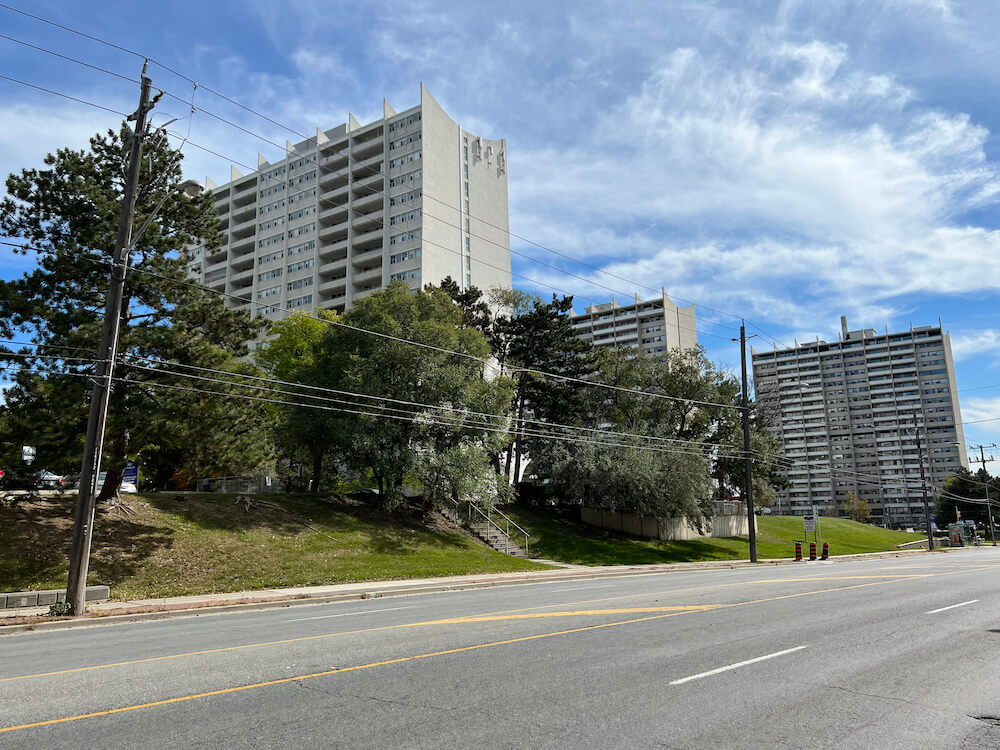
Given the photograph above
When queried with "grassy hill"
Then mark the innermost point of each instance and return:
(559, 535)
(170, 545)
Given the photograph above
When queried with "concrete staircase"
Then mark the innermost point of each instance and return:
(492, 526)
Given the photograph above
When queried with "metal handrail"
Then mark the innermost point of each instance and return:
(489, 520)
(511, 522)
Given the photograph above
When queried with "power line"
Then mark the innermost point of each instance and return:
(485, 362)
(374, 171)
(155, 62)
(375, 192)
(64, 96)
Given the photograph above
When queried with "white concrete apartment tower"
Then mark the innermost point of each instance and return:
(875, 413)
(412, 197)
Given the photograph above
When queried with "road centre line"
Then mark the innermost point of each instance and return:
(283, 641)
(737, 665)
(348, 614)
(285, 680)
(581, 588)
(846, 578)
(953, 606)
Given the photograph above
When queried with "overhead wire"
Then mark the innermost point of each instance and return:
(486, 362)
(315, 160)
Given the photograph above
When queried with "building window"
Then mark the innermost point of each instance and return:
(301, 248)
(272, 274)
(408, 255)
(273, 291)
(404, 236)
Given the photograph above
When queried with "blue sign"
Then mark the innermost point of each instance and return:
(131, 473)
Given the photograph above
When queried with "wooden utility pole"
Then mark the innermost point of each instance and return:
(83, 528)
(923, 485)
(748, 464)
(989, 507)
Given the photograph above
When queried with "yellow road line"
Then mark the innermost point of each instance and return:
(321, 636)
(845, 578)
(285, 680)
(578, 613)
(522, 639)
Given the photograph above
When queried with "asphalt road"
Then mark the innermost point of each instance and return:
(901, 652)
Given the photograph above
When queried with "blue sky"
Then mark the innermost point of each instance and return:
(788, 162)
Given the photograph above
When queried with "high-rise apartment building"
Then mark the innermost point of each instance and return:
(653, 326)
(864, 414)
(412, 197)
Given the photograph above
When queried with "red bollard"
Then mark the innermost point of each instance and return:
(798, 551)
(812, 550)
(826, 551)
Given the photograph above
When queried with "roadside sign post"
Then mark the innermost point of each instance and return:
(27, 454)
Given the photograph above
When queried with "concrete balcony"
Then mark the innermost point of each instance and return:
(369, 201)
(368, 186)
(367, 222)
(366, 258)
(335, 287)
(367, 150)
(333, 234)
(334, 215)
(372, 275)
(334, 161)
(246, 193)
(242, 262)
(333, 181)
(363, 168)
(242, 276)
(245, 228)
(243, 213)
(337, 300)
(243, 245)
(333, 251)
(369, 240)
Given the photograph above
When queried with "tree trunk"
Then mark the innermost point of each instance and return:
(317, 471)
(519, 439)
(112, 481)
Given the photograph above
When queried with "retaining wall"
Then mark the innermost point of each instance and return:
(665, 529)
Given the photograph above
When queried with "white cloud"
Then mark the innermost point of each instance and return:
(981, 408)
(986, 341)
(724, 183)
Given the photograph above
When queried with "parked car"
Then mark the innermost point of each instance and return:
(19, 479)
(126, 487)
(49, 481)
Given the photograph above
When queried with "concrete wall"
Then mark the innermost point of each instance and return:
(666, 529)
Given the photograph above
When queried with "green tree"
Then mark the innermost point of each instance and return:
(434, 419)
(968, 484)
(66, 214)
(290, 355)
(856, 508)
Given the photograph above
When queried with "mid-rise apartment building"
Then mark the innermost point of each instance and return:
(653, 326)
(412, 196)
(863, 414)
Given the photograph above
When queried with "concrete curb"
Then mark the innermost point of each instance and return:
(209, 604)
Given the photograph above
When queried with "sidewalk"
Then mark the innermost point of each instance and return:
(28, 618)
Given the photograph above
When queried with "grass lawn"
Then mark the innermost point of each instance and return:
(207, 544)
(559, 535)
